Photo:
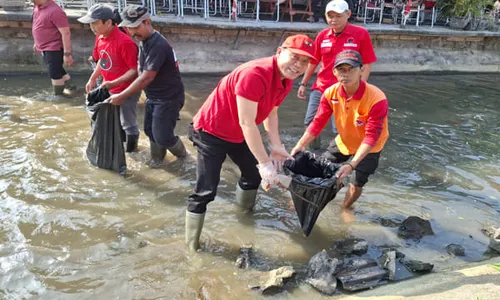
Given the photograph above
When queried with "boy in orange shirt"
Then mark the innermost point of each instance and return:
(360, 111)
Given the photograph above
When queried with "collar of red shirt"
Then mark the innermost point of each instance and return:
(346, 29)
(111, 35)
(46, 4)
(357, 95)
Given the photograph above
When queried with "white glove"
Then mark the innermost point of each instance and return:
(278, 156)
(268, 174)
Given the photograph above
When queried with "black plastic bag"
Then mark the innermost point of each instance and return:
(105, 148)
(312, 187)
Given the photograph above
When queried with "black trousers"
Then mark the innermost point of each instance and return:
(54, 61)
(160, 119)
(212, 152)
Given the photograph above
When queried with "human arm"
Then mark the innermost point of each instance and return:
(66, 40)
(319, 122)
(373, 130)
(301, 93)
(93, 78)
(278, 151)
(129, 52)
(366, 72)
(138, 85)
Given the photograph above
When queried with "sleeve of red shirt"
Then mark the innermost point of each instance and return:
(95, 52)
(129, 53)
(375, 122)
(59, 18)
(367, 52)
(322, 117)
(250, 85)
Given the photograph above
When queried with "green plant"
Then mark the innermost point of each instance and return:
(462, 8)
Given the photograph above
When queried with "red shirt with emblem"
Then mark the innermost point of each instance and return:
(257, 80)
(117, 53)
(327, 46)
(47, 20)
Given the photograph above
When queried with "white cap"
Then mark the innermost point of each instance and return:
(338, 6)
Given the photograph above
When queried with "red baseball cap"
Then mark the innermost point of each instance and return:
(300, 44)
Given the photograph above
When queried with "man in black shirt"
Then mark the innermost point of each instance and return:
(160, 78)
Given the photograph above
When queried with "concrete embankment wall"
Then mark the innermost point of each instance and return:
(218, 47)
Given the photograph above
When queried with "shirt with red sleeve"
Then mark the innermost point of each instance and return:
(257, 80)
(117, 54)
(359, 119)
(47, 20)
(328, 45)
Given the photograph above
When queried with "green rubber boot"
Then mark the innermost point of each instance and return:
(194, 225)
(245, 199)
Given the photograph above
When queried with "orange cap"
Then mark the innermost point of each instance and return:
(300, 44)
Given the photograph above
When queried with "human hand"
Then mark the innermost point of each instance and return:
(297, 148)
(278, 156)
(268, 174)
(68, 60)
(34, 48)
(344, 171)
(116, 99)
(90, 85)
(301, 93)
(108, 85)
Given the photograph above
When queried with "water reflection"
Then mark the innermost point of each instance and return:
(69, 230)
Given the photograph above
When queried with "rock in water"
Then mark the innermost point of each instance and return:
(320, 272)
(388, 262)
(274, 280)
(418, 266)
(351, 246)
(243, 260)
(495, 241)
(359, 274)
(415, 228)
(455, 249)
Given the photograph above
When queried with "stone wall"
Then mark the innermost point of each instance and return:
(205, 48)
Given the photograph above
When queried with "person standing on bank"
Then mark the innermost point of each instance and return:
(360, 110)
(160, 78)
(227, 125)
(116, 55)
(52, 37)
(329, 42)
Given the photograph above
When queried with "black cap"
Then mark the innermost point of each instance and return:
(349, 57)
(133, 15)
(98, 12)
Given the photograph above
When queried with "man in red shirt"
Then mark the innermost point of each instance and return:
(52, 37)
(116, 54)
(227, 125)
(328, 43)
(360, 110)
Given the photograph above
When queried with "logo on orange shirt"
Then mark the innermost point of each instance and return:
(360, 123)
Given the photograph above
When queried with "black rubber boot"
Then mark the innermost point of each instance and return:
(58, 90)
(132, 141)
(178, 149)
(157, 155)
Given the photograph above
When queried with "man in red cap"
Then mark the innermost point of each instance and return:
(360, 110)
(328, 43)
(227, 125)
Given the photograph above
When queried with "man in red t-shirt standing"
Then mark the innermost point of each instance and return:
(329, 42)
(227, 125)
(116, 53)
(52, 37)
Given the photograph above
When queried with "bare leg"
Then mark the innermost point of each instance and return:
(58, 81)
(352, 195)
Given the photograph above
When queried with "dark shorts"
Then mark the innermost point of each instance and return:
(363, 170)
(54, 61)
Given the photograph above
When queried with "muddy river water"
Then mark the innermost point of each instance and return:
(71, 231)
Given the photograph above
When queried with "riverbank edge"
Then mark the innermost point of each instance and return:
(218, 45)
(476, 280)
